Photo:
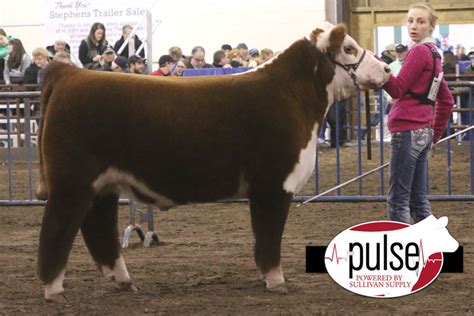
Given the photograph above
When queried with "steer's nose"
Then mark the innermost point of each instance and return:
(387, 69)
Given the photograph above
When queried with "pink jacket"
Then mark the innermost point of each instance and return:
(409, 113)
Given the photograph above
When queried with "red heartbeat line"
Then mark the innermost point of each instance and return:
(334, 253)
(421, 257)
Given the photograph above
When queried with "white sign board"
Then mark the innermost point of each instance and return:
(72, 20)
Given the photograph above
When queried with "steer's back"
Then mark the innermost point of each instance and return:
(190, 139)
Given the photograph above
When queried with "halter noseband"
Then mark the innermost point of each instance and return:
(350, 68)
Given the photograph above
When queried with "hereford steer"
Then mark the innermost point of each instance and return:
(172, 141)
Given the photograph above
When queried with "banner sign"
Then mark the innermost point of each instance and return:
(72, 20)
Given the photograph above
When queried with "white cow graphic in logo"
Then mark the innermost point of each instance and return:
(389, 259)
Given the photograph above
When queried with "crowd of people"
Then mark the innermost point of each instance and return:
(395, 53)
(95, 53)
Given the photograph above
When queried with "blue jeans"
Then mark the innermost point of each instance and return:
(408, 192)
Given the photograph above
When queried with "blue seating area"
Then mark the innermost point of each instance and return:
(214, 71)
(463, 64)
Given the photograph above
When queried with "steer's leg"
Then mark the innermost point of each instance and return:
(269, 211)
(100, 233)
(62, 218)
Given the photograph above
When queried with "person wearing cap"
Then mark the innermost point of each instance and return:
(166, 63)
(197, 59)
(389, 55)
(105, 61)
(396, 65)
(92, 47)
(120, 64)
(220, 60)
(226, 48)
(60, 45)
(254, 58)
(136, 65)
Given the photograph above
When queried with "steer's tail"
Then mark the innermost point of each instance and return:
(52, 76)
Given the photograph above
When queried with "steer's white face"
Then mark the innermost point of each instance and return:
(371, 73)
(344, 50)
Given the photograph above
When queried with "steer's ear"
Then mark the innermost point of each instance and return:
(314, 35)
(336, 38)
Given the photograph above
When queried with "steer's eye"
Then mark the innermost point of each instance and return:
(349, 50)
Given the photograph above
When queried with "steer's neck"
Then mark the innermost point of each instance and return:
(294, 69)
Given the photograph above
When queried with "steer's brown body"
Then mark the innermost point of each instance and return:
(173, 141)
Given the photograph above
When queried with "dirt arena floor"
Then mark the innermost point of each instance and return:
(204, 264)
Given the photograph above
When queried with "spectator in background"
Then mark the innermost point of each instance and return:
(449, 63)
(16, 62)
(4, 39)
(254, 58)
(444, 43)
(220, 60)
(226, 48)
(401, 52)
(470, 70)
(461, 53)
(389, 55)
(120, 64)
(235, 59)
(197, 59)
(136, 65)
(105, 61)
(63, 57)
(340, 123)
(92, 48)
(465, 116)
(35, 73)
(179, 69)
(176, 53)
(243, 49)
(60, 45)
(166, 63)
(266, 54)
(126, 30)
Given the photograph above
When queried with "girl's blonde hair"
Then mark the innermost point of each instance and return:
(431, 11)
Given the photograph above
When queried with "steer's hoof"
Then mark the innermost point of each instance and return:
(280, 288)
(56, 298)
(127, 287)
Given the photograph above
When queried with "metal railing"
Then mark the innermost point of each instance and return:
(19, 117)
